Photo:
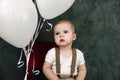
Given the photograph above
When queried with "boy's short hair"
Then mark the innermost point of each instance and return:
(65, 21)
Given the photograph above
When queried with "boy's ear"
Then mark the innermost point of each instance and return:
(74, 36)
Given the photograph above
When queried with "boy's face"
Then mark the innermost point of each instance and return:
(64, 34)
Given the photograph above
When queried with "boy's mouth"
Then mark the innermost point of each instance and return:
(62, 40)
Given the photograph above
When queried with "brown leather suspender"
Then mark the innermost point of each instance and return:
(57, 61)
(72, 63)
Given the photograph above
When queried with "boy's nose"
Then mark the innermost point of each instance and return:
(61, 35)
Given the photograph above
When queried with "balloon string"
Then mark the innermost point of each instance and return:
(30, 46)
(36, 72)
(33, 41)
(49, 25)
(20, 62)
(28, 50)
(33, 63)
(39, 27)
(27, 54)
(36, 34)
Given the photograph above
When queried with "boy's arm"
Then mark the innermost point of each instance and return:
(47, 70)
(81, 72)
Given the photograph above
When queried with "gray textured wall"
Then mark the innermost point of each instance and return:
(98, 29)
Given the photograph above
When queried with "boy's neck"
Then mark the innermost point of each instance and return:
(66, 48)
(66, 51)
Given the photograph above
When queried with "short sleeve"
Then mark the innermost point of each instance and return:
(50, 56)
(80, 57)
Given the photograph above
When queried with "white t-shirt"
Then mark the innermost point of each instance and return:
(65, 63)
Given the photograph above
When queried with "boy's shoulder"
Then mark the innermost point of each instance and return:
(78, 51)
(51, 49)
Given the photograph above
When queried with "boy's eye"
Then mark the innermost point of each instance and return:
(57, 33)
(65, 31)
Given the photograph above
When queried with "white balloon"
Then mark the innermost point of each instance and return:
(18, 21)
(52, 8)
